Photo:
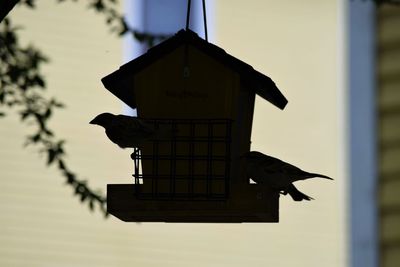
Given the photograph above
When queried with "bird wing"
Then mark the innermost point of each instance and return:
(131, 125)
(128, 131)
(290, 169)
(298, 174)
(268, 171)
(278, 173)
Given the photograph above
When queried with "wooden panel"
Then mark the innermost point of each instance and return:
(257, 204)
(390, 226)
(389, 159)
(389, 132)
(389, 193)
(390, 256)
(208, 91)
(389, 129)
(389, 61)
(389, 96)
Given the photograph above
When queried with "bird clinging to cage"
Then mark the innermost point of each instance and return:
(127, 131)
(277, 174)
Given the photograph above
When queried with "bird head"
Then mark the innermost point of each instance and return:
(102, 119)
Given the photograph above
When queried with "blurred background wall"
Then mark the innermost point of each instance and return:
(303, 47)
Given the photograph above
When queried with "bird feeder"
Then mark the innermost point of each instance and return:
(207, 96)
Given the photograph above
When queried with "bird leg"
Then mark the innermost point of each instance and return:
(283, 192)
(135, 153)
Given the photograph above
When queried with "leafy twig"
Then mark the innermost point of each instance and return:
(21, 86)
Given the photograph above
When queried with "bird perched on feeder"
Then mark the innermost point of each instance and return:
(277, 174)
(127, 131)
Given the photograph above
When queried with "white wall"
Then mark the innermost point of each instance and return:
(296, 43)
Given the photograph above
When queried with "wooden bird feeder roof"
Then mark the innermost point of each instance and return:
(120, 80)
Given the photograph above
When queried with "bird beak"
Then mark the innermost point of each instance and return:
(93, 121)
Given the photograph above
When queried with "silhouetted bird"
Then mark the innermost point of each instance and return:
(277, 174)
(126, 131)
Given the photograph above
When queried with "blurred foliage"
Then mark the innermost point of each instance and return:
(22, 87)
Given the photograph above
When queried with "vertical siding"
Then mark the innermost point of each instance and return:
(389, 132)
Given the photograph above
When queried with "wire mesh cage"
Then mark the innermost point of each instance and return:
(191, 164)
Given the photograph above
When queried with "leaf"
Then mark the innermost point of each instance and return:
(109, 20)
(59, 105)
(10, 38)
(39, 81)
(61, 143)
(33, 138)
(39, 118)
(98, 5)
(91, 205)
(47, 131)
(61, 165)
(76, 191)
(51, 155)
(70, 177)
(124, 29)
(30, 3)
(138, 36)
(25, 114)
(104, 210)
(2, 96)
(2, 114)
(55, 103)
(47, 114)
(83, 196)
(60, 148)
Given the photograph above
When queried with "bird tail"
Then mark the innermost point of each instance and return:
(312, 175)
(296, 194)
